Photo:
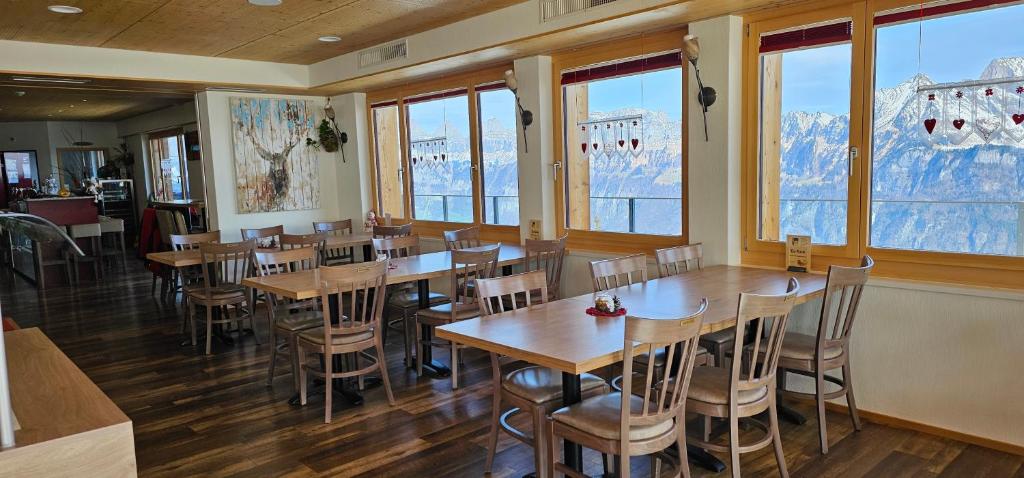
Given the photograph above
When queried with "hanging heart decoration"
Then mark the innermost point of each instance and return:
(1018, 118)
(958, 123)
(584, 146)
(635, 142)
(929, 124)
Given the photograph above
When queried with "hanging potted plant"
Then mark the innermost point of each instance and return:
(328, 139)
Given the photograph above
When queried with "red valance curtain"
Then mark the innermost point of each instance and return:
(807, 37)
(630, 67)
(938, 10)
(435, 96)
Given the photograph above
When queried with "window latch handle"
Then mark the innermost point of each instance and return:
(555, 166)
(854, 153)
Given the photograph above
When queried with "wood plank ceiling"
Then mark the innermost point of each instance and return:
(80, 104)
(234, 28)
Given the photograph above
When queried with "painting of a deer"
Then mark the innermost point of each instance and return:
(275, 170)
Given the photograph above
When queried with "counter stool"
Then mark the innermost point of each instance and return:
(113, 229)
(93, 232)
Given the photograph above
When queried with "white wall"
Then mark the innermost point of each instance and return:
(353, 175)
(219, 163)
(63, 133)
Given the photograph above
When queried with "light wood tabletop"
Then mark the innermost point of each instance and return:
(191, 257)
(560, 334)
(306, 284)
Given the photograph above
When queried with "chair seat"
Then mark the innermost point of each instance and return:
(719, 338)
(220, 292)
(293, 322)
(659, 358)
(802, 347)
(442, 313)
(410, 299)
(542, 385)
(600, 416)
(316, 336)
(711, 385)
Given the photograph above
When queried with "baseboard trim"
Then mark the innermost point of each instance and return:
(897, 422)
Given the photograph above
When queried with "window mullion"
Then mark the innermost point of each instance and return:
(406, 170)
(476, 170)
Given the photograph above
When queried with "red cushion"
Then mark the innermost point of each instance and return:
(9, 325)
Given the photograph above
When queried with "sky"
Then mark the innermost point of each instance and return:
(953, 48)
(656, 90)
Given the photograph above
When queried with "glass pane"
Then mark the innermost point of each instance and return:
(950, 189)
(439, 153)
(624, 153)
(805, 139)
(165, 162)
(20, 167)
(498, 154)
(388, 155)
(78, 165)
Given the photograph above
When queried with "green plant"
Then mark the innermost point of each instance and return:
(328, 139)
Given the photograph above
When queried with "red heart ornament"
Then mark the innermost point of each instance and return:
(958, 123)
(929, 124)
(1018, 118)
(595, 146)
(622, 143)
(584, 146)
(635, 142)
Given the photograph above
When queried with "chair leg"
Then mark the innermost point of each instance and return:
(355, 364)
(190, 313)
(773, 418)
(540, 442)
(252, 323)
(273, 356)
(328, 384)
(684, 459)
(383, 365)
(124, 255)
(184, 322)
(734, 444)
(819, 389)
(419, 348)
(455, 366)
(707, 428)
(209, 330)
(407, 337)
(851, 404)
(152, 286)
(293, 352)
(492, 437)
(300, 353)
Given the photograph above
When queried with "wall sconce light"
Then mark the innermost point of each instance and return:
(707, 95)
(525, 116)
(342, 136)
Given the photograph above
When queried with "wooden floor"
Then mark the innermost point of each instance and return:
(215, 416)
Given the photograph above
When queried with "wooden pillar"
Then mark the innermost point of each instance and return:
(389, 160)
(578, 163)
(771, 145)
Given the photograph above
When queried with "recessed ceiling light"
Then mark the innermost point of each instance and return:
(329, 38)
(64, 9)
(83, 101)
(35, 79)
(265, 3)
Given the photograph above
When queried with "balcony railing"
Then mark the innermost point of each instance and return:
(606, 214)
(459, 208)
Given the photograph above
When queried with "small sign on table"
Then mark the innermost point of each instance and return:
(798, 253)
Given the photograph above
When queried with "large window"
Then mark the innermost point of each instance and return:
(805, 133)
(623, 146)
(167, 165)
(948, 155)
(442, 188)
(498, 138)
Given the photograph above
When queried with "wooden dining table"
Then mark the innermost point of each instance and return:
(420, 268)
(190, 257)
(560, 335)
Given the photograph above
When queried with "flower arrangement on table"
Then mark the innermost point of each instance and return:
(606, 306)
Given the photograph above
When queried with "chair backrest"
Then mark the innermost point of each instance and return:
(290, 260)
(226, 263)
(664, 394)
(165, 222)
(315, 240)
(679, 259)
(547, 256)
(760, 320)
(386, 231)
(179, 223)
(360, 291)
(343, 226)
(183, 242)
(836, 319)
(395, 247)
(501, 294)
(265, 236)
(607, 273)
(468, 267)
(462, 238)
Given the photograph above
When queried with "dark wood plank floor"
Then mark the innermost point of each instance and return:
(195, 415)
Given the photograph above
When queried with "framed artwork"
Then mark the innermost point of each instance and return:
(274, 169)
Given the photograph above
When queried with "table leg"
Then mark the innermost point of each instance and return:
(367, 252)
(572, 394)
(431, 367)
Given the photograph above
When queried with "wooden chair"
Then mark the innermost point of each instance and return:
(402, 297)
(462, 238)
(190, 277)
(812, 356)
(316, 240)
(638, 422)
(286, 318)
(746, 389)
(168, 275)
(680, 259)
(467, 268)
(537, 390)
(266, 237)
(353, 329)
(606, 273)
(226, 266)
(392, 231)
(547, 256)
(337, 255)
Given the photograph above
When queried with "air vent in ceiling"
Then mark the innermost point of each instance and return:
(551, 9)
(385, 53)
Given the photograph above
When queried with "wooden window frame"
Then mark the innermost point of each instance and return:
(479, 146)
(154, 164)
(619, 49)
(468, 81)
(1002, 272)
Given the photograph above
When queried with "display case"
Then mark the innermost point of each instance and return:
(119, 202)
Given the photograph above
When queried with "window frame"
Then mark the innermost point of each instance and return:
(611, 51)
(466, 81)
(981, 270)
(479, 146)
(154, 164)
